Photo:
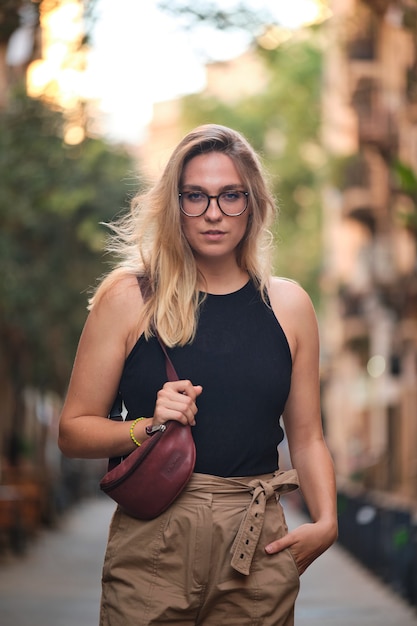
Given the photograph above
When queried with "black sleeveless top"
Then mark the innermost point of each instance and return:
(242, 359)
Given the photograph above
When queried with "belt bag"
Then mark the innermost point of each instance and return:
(148, 480)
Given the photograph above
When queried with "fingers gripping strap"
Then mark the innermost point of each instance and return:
(247, 538)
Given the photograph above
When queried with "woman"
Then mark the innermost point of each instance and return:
(245, 346)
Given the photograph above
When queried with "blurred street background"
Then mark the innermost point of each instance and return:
(94, 94)
(58, 582)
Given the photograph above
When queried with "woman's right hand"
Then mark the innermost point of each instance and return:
(177, 401)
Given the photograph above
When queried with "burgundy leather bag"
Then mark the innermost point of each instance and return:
(148, 480)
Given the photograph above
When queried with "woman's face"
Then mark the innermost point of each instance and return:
(213, 235)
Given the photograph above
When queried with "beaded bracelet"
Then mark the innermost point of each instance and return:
(132, 436)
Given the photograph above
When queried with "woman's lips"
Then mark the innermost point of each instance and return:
(213, 234)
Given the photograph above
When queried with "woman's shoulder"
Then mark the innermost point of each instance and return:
(118, 299)
(118, 289)
(293, 308)
(116, 309)
(288, 293)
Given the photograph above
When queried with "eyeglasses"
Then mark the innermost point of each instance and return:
(195, 203)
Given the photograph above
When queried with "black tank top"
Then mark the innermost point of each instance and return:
(242, 359)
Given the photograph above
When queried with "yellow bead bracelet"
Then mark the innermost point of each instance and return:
(132, 436)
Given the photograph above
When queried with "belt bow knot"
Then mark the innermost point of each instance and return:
(247, 538)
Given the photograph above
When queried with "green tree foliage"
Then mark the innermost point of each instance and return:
(282, 122)
(52, 198)
(233, 17)
(405, 181)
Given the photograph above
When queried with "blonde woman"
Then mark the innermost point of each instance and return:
(245, 346)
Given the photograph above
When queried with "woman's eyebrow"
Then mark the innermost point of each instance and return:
(235, 186)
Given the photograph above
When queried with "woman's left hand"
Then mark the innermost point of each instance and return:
(306, 543)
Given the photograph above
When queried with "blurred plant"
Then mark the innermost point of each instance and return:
(405, 184)
(239, 16)
(52, 198)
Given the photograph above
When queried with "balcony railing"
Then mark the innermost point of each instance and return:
(358, 204)
(378, 6)
(377, 128)
(362, 49)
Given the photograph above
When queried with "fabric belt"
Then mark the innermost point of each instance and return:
(262, 489)
(246, 540)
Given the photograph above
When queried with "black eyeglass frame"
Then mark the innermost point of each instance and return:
(210, 198)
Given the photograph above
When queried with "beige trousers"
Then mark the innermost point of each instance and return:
(203, 562)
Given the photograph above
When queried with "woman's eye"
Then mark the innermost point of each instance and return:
(195, 196)
(230, 196)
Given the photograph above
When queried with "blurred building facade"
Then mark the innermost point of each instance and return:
(370, 266)
(370, 130)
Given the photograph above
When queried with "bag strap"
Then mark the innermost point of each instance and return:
(169, 367)
(116, 410)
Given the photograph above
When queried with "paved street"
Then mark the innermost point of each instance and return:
(337, 591)
(58, 582)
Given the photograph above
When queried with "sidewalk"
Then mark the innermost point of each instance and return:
(337, 591)
(58, 582)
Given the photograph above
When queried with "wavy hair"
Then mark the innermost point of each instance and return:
(149, 240)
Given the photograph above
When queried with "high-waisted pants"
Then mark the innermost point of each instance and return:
(178, 568)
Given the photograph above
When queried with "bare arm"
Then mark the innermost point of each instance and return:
(302, 419)
(109, 334)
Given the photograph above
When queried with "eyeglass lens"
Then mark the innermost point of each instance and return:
(195, 203)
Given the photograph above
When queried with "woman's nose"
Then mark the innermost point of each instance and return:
(213, 212)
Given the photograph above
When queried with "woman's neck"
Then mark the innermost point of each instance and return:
(220, 280)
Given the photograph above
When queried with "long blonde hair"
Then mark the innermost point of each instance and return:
(150, 241)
